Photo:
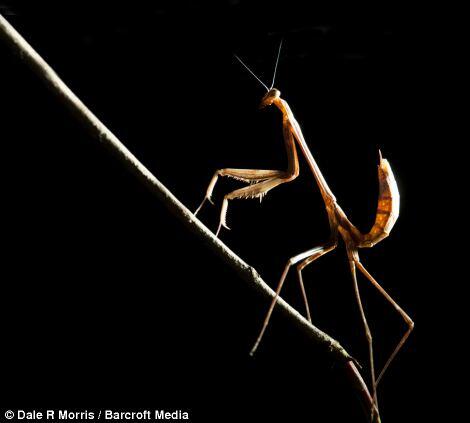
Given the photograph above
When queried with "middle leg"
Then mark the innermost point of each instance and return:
(310, 255)
(302, 265)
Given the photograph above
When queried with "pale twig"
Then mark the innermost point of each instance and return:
(97, 129)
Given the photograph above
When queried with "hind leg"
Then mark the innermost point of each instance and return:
(403, 314)
(353, 259)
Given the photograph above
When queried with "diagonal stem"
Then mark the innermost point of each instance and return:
(98, 130)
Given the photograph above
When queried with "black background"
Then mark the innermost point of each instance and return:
(108, 301)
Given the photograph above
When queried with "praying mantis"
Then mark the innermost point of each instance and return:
(262, 181)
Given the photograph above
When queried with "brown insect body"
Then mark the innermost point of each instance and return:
(387, 213)
(386, 216)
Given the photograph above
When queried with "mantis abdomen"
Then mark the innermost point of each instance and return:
(388, 206)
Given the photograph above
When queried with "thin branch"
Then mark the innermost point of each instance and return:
(97, 129)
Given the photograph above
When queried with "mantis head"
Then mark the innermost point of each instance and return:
(270, 97)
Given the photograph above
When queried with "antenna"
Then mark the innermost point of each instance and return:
(275, 66)
(249, 70)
